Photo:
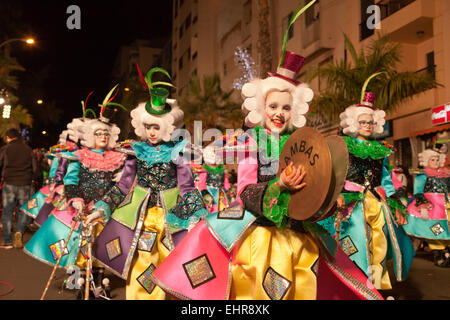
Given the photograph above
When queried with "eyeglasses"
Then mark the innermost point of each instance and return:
(102, 134)
(367, 123)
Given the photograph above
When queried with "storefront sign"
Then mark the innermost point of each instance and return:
(441, 114)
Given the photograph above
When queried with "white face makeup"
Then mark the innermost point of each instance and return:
(153, 132)
(278, 111)
(433, 162)
(101, 138)
(366, 125)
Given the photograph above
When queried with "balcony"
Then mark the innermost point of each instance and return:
(407, 21)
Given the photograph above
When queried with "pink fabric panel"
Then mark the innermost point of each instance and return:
(350, 186)
(247, 169)
(397, 183)
(438, 212)
(202, 181)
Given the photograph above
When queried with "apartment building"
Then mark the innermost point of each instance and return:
(206, 34)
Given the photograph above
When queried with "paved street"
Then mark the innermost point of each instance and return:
(29, 277)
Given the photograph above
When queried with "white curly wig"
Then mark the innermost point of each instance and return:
(90, 126)
(255, 92)
(350, 120)
(167, 122)
(75, 129)
(425, 156)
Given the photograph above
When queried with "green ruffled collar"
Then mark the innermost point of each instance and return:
(214, 170)
(367, 148)
(282, 140)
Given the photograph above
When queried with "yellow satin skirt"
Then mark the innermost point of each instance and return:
(142, 260)
(274, 264)
(377, 242)
(81, 260)
(438, 244)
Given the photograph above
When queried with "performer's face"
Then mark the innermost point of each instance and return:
(433, 162)
(366, 125)
(101, 137)
(278, 111)
(153, 132)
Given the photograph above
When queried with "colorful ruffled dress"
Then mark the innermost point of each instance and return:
(45, 199)
(253, 251)
(430, 186)
(367, 228)
(213, 182)
(89, 178)
(145, 227)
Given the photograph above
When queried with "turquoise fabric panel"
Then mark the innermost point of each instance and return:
(427, 229)
(102, 205)
(229, 231)
(419, 183)
(53, 168)
(353, 238)
(39, 199)
(162, 153)
(386, 179)
(51, 233)
(73, 171)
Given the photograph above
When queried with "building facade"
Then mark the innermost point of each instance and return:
(206, 34)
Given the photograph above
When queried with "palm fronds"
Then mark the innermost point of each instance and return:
(345, 79)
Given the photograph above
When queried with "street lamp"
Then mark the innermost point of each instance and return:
(29, 41)
(40, 101)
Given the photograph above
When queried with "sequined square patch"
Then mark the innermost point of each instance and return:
(233, 213)
(199, 271)
(56, 249)
(166, 242)
(275, 285)
(147, 241)
(32, 204)
(348, 246)
(437, 229)
(144, 279)
(113, 249)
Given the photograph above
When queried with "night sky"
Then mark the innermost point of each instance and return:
(65, 65)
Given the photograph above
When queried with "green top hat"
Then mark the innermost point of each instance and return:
(158, 95)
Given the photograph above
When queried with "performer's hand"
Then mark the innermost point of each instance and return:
(401, 220)
(98, 214)
(291, 178)
(341, 202)
(78, 205)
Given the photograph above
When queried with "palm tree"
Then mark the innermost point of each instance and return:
(8, 81)
(264, 42)
(344, 79)
(205, 101)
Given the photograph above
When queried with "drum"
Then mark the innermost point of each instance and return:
(325, 161)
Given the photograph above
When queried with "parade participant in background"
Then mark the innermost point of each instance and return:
(428, 213)
(367, 225)
(44, 200)
(163, 203)
(254, 250)
(214, 184)
(90, 186)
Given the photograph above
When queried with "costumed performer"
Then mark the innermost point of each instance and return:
(428, 217)
(163, 203)
(368, 223)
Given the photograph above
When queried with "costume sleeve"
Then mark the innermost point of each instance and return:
(114, 197)
(393, 196)
(260, 198)
(190, 206)
(419, 187)
(71, 180)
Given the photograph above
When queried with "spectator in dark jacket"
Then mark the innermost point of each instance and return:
(19, 169)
